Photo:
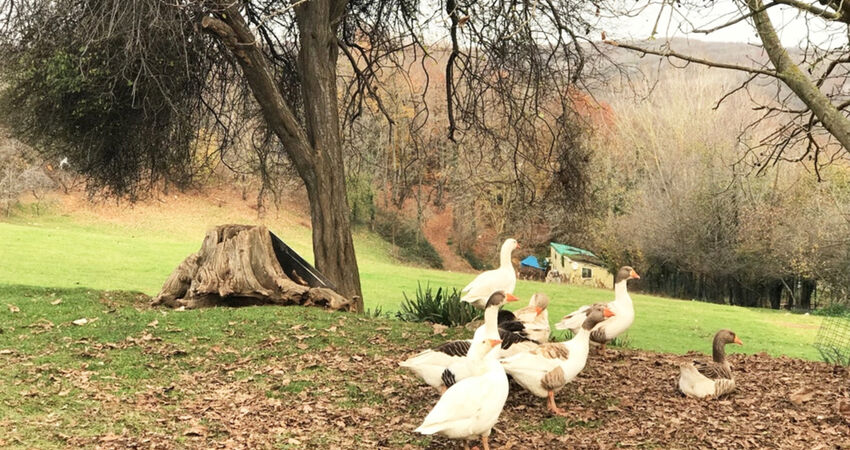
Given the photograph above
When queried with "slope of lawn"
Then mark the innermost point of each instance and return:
(135, 249)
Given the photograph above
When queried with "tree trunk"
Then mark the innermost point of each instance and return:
(808, 287)
(775, 294)
(832, 119)
(316, 149)
(333, 245)
(237, 266)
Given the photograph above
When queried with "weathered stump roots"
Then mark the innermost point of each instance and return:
(237, 266)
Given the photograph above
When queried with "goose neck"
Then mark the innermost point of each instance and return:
(621, 291)
(718, 351)
(505, 256)
(491, 319)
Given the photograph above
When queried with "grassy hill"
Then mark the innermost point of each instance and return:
(108, 247)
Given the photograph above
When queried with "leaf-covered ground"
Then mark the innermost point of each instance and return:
(131, 376)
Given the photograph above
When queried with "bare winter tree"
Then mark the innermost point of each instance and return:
(812, 97)
(138, 90)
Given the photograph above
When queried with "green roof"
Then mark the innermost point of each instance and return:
(569, 250)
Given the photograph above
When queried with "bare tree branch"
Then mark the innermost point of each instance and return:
(690, 59)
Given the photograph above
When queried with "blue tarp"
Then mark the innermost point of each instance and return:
(531, 261)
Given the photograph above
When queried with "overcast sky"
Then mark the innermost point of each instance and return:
(792, 27)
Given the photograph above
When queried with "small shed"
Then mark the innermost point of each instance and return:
(578, 266)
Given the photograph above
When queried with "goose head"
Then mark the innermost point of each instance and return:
(626, 273)
(481, 347)
(540, 302)
(595, 314)
(499, 298)
(724, 337)
(510, 245)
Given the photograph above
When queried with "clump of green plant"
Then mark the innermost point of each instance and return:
(834, 355)
(376, 313)
(833, 310)
(407, 237)
(474, 260)
(441, 307)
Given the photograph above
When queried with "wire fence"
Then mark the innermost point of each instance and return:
(833, 340)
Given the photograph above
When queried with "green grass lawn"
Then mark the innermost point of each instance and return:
(61, 251)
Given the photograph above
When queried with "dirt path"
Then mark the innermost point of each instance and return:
(437, 229)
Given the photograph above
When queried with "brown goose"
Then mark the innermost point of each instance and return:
(714, 379)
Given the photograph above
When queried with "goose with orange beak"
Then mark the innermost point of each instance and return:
(547, 369)
(622, 307)
(471, 407)
(714, 379)
(502, 279)
(430, 365)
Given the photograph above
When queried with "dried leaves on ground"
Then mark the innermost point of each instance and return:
(338, 385)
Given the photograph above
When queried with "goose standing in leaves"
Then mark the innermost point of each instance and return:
(714, 379)
(502, 279)
(548, 368)
(621, 306)
(471, 407)
(430, 365)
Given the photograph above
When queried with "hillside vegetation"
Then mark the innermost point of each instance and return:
(135, 249)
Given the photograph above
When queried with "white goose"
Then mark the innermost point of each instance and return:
(430, 365)
(621, 306)
(511, 342)
(502, 279)
(548, 368)
(470, 408)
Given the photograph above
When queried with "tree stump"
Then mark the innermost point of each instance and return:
(237, 266)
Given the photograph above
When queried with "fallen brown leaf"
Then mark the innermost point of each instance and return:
(802, 395)
(197, 430)
(13, 308)
(439, 329)
(56, 302)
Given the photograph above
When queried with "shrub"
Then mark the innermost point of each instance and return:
(408, 238)
(361, 199)
(833, 310)
(474, 261)
(442, 307)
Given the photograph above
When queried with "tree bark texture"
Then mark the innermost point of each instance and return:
(316, 148)
(237, 266)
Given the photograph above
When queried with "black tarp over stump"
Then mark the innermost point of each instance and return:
(240, 265)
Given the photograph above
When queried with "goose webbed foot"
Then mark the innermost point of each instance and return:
(552, 407)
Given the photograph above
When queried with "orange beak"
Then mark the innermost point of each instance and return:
(738, 341)
(608, 313)
(517, 245)
(634, 275)
(538, 309)
(510, 298)
(494, 342)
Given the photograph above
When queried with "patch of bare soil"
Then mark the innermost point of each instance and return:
(437, 228)
(357, 397)
(192, 212)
